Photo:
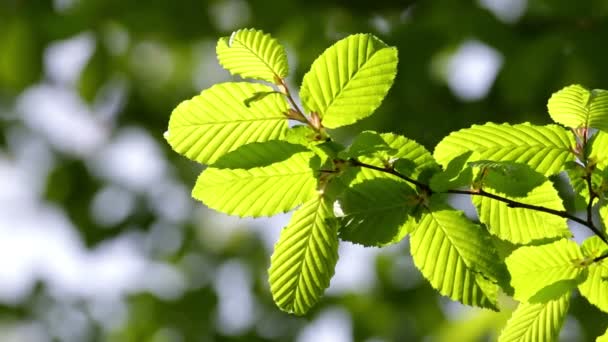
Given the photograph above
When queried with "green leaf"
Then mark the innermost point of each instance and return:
(376, 211)
(421, 164)
(253, 54)
(577, 175)
(260, 191)
(305, 257)
(456, 256)
(599, 149)
(541, 273)
(603, 338)
(349, 80)
(217, 121)
(367, 143)
(455, 175)
(521, 225)
(544, 148)
(536, 322)
(258, 154)
(574, 106)
(595, 287)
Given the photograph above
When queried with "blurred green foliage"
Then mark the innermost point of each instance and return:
(164, 52)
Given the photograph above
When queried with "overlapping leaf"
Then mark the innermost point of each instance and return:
(599, 149)
(520, 225)
(544, 148)
(376, 211)
(456, 256)
(595, 287)
(349, 80)
(367, 143)
(542, 273)
(220, 119)
(574, 106)
(253, 54)
(305, 257)
(533, 322)
(260, 191)
(258, 155)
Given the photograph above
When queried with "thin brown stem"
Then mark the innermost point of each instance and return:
(511, 203)
(294, 105)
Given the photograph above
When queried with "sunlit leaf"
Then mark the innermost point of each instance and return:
(544, 148)
(253, 54)
(542, 273)
(349, 80)
(305, 257)
(599, 149)
(258, 154)
(533, 322)
(603, 338)
(595, 287)
(456, 256)
(260, 191)
(367, 143)
(217, 121)
(574, 106)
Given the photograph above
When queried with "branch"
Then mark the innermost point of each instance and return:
(300, 114)
(511, 203)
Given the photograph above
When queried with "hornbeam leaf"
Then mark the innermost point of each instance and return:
(603, 338)
(349, 80)
(533, 322)
(456, 256)
(520, 225)
(595, 287)
(574, 106)
(253, 54)
(376, 211)
(305, 257)
(218, 121)
(258, 155)
(367, 143)
(544, 148)
(541, 273)
(259, 191)
(599, 149)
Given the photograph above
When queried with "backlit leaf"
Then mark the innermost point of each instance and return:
(349, 80)
(305, 257)
(595, 287)
(574, 106)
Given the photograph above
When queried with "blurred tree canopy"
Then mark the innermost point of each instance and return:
(91, 85)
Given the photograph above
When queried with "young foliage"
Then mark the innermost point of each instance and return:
(349, 80)
(384, 187)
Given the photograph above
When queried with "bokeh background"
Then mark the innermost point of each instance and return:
(99, 238)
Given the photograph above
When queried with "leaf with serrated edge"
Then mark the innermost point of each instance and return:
(541, 272)
(595, 287)
(349, 80)
(258, 155)
(366, 143)
(253, 54)
(456, 256)
(305, 257)
(260, 191)
(532, 322)
(544, 148)
(574, 106)
(375, 211)
(217, 121)
(599, 149)
(520, 225)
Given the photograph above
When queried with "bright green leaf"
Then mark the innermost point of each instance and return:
(217, 121)
(376, 211)
(258, 154)
(599, 149)
(253, 54)
(260, 191)
(536, 322)
(456, 256)
(366, 143)
(574, 106)
(455, 175)
(544, 148)
(521, 225)
(305, 257)
(595, 287)
(541, 273)
(349, 80)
